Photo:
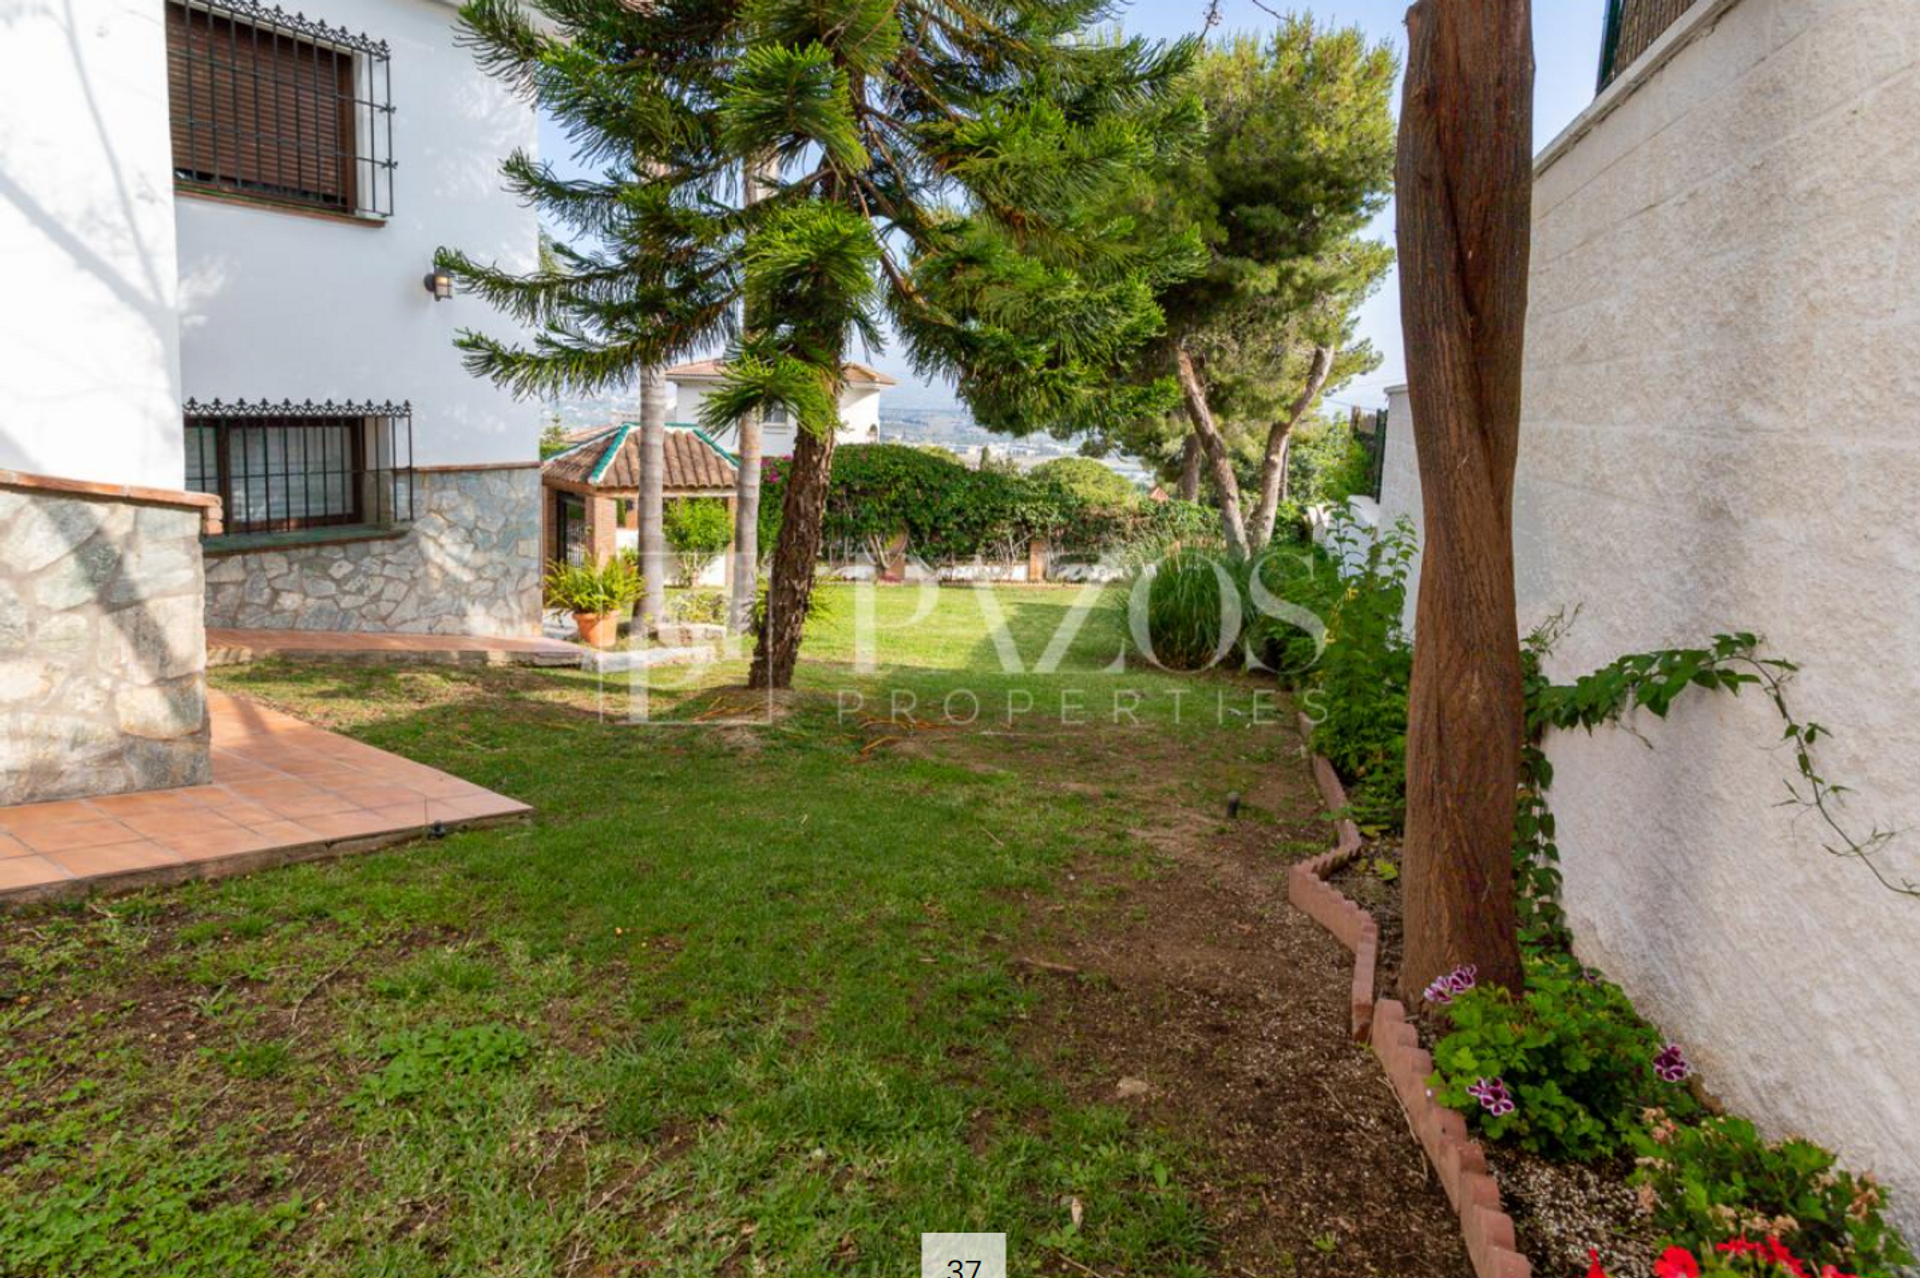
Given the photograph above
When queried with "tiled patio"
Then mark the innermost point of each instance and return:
(282, 791)
(229, 647)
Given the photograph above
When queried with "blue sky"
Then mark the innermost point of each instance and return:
(1566, 49)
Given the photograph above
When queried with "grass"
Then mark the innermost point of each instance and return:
(740, 1000)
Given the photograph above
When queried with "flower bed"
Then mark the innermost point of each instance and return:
(1458, 1160)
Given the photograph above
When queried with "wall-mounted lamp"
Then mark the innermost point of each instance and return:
(439, 283)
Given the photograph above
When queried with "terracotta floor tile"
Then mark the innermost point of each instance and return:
(39, 815)
(285, 834)
(279, 788)
(300, 807)
(97, 833)
(248, 814)
(372, 795)
(167, 826)
(278, 783)
(408, 815)
(144, 802)
(348, 825)
(29, 871)
(84, 863)
(207, 844)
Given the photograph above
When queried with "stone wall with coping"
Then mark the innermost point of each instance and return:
(468, 564)
(102, 650)
(1723, 355)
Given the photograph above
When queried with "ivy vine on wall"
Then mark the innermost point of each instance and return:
(1652, 681)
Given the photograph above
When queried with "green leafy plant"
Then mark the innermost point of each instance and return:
(611, 585)
(699, 607)
(420, 1061)
(1565, 1070)
(1358, 695)
(1721, 1179)
(1652, 681)
(697, 529)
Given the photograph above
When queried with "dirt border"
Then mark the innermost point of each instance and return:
(1459, 1161)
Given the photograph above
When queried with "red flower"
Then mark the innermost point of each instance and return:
(1785, 1259)
(1594, 1270)
(1676, 1262)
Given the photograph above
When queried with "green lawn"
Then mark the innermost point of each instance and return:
(739, 1000)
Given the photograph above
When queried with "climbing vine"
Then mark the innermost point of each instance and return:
(1652, 681)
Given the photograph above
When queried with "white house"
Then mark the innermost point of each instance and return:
(216, 222)
(859, 404)
(1723, 355)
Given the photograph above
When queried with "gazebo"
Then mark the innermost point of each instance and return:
(592, 490)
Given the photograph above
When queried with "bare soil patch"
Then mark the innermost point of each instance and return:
(1197, 998)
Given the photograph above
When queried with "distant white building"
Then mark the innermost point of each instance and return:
(859, 404)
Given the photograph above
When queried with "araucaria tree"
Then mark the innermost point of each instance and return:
(1297, 157)
(1465, 214)
(938, 161)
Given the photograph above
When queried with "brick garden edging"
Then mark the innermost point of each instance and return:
(1458, 1160)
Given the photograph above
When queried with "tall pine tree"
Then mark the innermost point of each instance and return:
(1297, 157)
(952, 163)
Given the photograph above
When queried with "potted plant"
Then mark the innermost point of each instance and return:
(596, 594)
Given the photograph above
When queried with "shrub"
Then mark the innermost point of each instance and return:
(1359, 691)
(699, 607)
(597, 588)
(697, 529)
(1721, 1180)
(1092, 483)
(1564, 1071)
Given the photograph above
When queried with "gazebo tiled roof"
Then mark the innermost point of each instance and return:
(607, 459)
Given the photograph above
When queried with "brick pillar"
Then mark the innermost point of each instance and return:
(600, 526)
(1038, 552)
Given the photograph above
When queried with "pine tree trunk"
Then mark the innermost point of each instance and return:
(1232, 526)
(1273, 465)
(653, 529)
(758, 178)
(1189, 489)
(795, 552)
(746, 527)
(1464, 182)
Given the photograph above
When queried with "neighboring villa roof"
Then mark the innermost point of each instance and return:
(607, 458)
(712, 370)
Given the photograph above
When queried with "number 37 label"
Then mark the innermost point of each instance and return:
(963, 1256)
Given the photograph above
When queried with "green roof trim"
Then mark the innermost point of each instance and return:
(599, 470)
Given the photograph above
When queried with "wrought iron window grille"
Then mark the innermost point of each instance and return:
(284, 467)
(280, 107)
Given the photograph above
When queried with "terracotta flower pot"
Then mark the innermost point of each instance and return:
(598, 629)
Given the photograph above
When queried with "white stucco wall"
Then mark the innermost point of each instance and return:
(89, 347)
(277, 305)
(1723, 362)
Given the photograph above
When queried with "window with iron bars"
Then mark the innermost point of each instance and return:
(279, 107)
(285, 467)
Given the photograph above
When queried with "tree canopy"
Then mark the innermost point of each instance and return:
(957, 167)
